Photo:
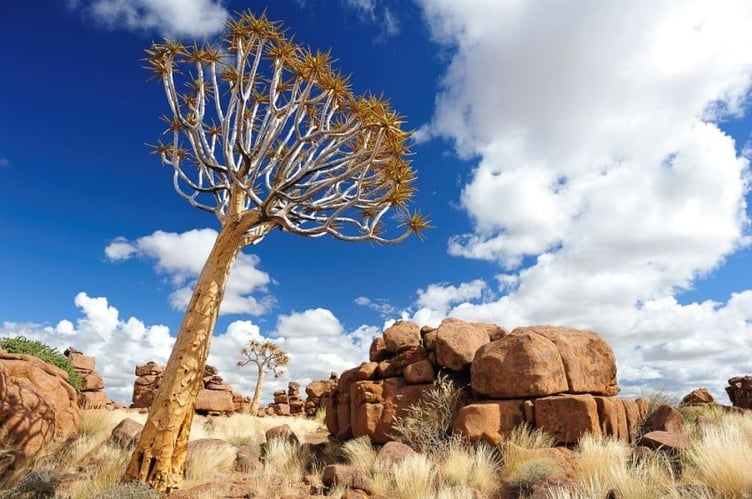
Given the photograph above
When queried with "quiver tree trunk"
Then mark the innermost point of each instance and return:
(257, 392)
(159, 457)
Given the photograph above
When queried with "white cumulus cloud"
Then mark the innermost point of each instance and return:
(117, 344)
(315, 340)
(176, 18)
(181, 256)
(594, 131)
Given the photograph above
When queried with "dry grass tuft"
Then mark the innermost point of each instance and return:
(471, 467)
(413, 478)
(425, 425)
(210, 463)
(719, 457)
(528, 437)
(360, 453)
(286, 459)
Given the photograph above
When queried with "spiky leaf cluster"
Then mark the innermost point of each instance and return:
(262, 123)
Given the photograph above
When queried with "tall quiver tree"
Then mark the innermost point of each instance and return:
(265, 134)
(267, 356)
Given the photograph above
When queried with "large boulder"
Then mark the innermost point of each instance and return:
(740, 391)
(567, 417)
(214, 402)
(37, 404)
(544, 360)
(373, 406)
(490, 421)
(699, 396)
(457, 341)
(401, 335)
(92, 395)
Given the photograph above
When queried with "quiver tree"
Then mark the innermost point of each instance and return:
(268, 358)
(266, 135)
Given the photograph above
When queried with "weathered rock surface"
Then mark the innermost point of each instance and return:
(214, 398)
(92, 395)
(37, 404)
(347, 476)
(393, 453)
(740, 391)
(489, 421)
(567, 417)
(559, 379)
(544, 360)
(699, 396)
(665, 418)
(214, 402)
(400, 335)
(457, 341)
(665, 440)
(318, 393)
(125, 434)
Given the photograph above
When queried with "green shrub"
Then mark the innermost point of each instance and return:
(44, 352)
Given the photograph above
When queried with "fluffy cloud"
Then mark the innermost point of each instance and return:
(434, 301)
(314, 339)
(119, 345)
(318, 344)
(182, 256)
(599, 158)
(199, 18)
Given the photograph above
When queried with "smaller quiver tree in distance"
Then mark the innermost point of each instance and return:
(268, 357)
(265, 135)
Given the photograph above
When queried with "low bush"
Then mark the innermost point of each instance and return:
(51, 355)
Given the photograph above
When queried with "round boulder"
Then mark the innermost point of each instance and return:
(544, 360)
(457, 341)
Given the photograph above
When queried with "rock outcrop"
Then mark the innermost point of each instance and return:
(558, 379)
(37, 404)
(148, 379)
(215, 397)
(318, 393)
(740, 391)
(92, 395)
(286, 402)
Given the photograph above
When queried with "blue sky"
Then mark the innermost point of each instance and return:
(584, 164)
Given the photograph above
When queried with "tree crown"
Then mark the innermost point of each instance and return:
(266, 355)
(259, 123)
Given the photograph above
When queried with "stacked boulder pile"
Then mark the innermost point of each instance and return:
(92, 395)
(740, 391)
(215, 398)
(318, 393)
(561, 380)
(286, 402)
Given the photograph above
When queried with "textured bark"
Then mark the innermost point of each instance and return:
(159, 457)
(257, 392)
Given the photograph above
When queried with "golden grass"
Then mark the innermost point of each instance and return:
(286, 459)
(210, 463)
(107, 467)
(720, 457)
(716, 464)
(360, 453)
(245, 429)
(414, 478)
(530, 438)
(470, 467)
